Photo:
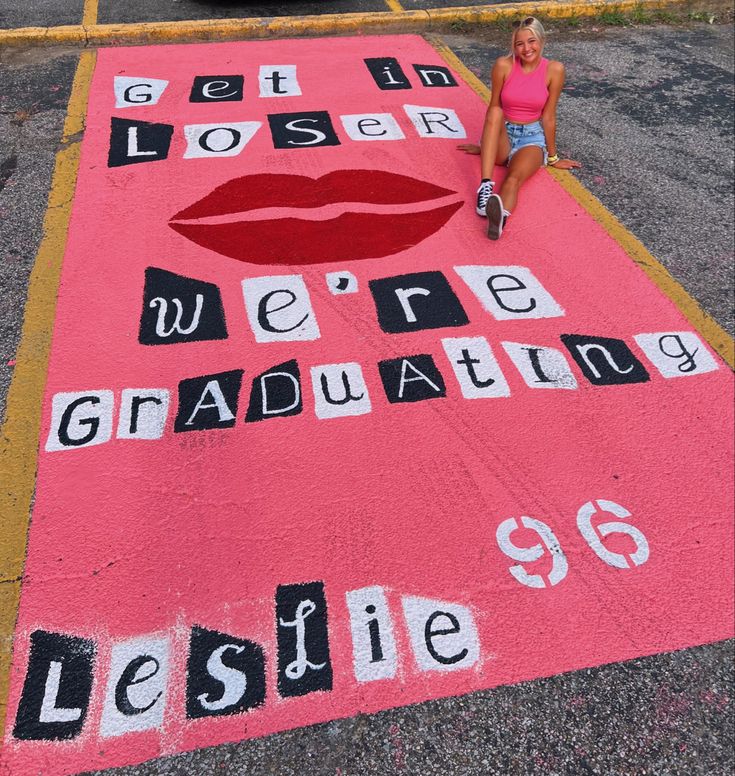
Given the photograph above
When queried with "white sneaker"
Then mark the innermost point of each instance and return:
(483, 195)
(495, 217)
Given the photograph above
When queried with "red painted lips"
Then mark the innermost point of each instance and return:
(387, 214)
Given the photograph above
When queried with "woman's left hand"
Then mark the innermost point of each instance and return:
(565, 164)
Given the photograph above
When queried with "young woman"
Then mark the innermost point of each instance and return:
(520, 124)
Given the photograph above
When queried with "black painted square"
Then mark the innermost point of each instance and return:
(276, 393)
(387, 73)
(208, 402)
(435, 76)
(70, 659)
(411, 378)
(217, 88)
(605, 361)
(421, 300)
(304, 664)
(224, 674)
(137, 142)
(310, 129)
(180, 309)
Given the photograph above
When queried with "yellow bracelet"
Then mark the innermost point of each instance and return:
(552, 159)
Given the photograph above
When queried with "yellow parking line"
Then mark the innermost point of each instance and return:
(20, 432)
(358, 23)
(89, 15)
(394, 5)
(718, 339)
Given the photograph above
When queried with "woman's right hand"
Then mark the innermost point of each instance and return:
(470, 148)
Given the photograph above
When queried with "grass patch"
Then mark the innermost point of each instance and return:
(612, 18)
(702, 16)
(641, 15)
(459, 26)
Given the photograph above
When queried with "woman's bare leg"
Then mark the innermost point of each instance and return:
(494, 146)
(522, 166)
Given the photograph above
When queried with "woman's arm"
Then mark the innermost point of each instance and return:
(548, 116)
(500, 70)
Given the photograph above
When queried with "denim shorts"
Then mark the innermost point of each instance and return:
(522, 135)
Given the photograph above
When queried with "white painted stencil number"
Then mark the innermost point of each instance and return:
(592, 535)
(559, 564)
(620, 561)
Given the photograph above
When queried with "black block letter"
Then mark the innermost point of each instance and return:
(208, 402)
(605, 361)
(302, 130)
(134, 142)
(180, 309)
(224, 675)
(57, 687)
(422, 300)
(303, 639)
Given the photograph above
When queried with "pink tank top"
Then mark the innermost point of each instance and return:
(524, 94)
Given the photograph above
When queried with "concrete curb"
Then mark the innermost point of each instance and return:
(290, 26)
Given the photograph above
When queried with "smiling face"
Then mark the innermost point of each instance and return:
(527, 46)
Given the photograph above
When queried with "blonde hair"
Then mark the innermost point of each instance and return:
(529, 23)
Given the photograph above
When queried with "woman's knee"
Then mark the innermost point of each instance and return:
(512, 179)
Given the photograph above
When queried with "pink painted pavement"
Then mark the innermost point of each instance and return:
(146, 538)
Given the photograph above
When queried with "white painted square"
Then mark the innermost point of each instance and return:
(337, 380)
(509, 292)
(372, 126)
(278, 81)
(150, 406)
(80, 419)
(541, 367)
(677, 353)
(142, 692)
(223, 139)
(282, 302)
(370, 620)
(458, 647)
(342, 282)
(482, 380)
(435, 122)
(136, 92)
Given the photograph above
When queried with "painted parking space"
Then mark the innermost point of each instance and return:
(362, 468)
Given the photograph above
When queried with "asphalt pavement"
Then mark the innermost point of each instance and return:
(648, 112)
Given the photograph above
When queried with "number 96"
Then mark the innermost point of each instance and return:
(549, 543)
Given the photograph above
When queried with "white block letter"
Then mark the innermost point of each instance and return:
(136, 688)
(373, 645)
(509, 292)
(475, 367)
(372, 126)
(279, 309)
(218, 139)
(80, 419)
(435, 122)
(541, 367)
(443, 635)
